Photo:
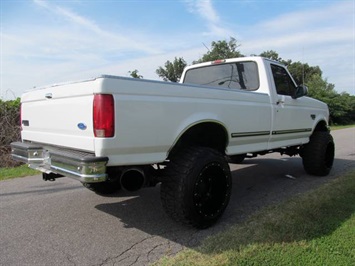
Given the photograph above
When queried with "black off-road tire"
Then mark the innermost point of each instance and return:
(104, 188)
(318, 154)
(196, 187)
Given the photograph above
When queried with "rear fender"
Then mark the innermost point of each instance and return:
(195, 121)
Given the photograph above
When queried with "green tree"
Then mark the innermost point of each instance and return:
(10, 129)
(134, 74)
(172, 71)
(221, 50)
(302, 73)
(349, 105)
(271, 54)
(341, 106)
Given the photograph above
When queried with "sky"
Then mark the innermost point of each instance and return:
(48, 42)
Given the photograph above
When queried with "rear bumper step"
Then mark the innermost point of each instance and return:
(83, 166)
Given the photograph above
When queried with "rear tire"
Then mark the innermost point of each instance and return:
(197, 186)
(318, 154)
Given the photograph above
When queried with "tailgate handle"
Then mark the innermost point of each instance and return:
(48, 95)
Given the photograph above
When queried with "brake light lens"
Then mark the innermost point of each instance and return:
(104, 116)
(219, 61)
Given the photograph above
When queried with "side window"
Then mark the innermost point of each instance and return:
(283, 82)
(238, 76)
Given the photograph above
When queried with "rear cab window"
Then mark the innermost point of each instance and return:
(236, 76)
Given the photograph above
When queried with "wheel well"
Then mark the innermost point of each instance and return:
(208, 134)
(321, 126)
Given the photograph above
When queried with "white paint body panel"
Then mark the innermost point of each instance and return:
(150, 116)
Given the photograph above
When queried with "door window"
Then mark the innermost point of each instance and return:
(283, 82)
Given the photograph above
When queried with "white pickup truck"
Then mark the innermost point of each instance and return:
(114, 132)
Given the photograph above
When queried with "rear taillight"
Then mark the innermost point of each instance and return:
(104, 116)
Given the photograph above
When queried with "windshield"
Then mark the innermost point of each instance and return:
(240, 75)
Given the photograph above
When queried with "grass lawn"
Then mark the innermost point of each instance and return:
(13, 172)
(316, 228)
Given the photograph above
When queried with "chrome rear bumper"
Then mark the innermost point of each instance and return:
(83, 166)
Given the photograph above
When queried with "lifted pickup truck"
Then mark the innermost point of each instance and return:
(113, 132)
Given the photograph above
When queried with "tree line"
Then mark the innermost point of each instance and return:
(9, 129)
(341, 105)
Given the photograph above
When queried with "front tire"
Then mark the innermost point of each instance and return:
(197, 186)
(318, 154)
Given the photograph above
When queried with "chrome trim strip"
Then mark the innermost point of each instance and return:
(292, 131)
(250, 134)
(264, 133)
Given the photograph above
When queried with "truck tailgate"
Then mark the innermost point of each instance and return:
(60, 115)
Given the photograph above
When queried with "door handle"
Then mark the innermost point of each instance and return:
(48, 95)
(280, 102)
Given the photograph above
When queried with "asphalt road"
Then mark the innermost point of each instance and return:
(62, 223)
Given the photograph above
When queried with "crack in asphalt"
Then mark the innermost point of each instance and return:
(124, 258)
(135, 261)
(112, 259)
(154, 248)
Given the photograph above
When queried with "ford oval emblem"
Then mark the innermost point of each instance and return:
(82, 126)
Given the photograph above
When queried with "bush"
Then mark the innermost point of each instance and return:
(10, 130)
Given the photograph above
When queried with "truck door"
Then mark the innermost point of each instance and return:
(291, 117)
